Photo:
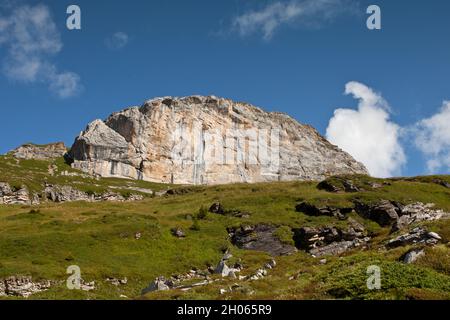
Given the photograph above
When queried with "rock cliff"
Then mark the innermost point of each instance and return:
(40, 152)
(207, 140)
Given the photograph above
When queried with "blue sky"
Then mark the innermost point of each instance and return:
(130, 51)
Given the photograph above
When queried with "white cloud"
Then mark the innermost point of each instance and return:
(31, 39)
(367, 133)
(268, 19)
(432, 137)
(117, 41)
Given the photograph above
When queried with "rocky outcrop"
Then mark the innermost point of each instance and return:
(385, 212)
(412, 255)
(160, 284)
(416, 236)
(417, 212)
(117, 282)
(330, 240)
(442, 183)
(217, 208)
(397, 215)
(40, 152)
(206, 140)
(178, 232)
(322, 210)
(183, 282)
(345, 185)
(57, 193)
(260, 238)
(22, 286)
(12, 195)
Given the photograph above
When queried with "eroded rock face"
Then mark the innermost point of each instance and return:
(40, 152)
(330, 240)
(10, 195)
(207, 140)
(387, 213)
(417, 212)
(57, 193)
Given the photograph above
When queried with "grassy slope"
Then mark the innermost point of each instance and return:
(100, 239)
(34, 173)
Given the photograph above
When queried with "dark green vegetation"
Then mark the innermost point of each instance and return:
(100, 238)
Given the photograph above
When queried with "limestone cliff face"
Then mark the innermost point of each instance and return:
(207, 140)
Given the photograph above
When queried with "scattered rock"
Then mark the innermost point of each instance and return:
(217, 208)
(418, 235)
(160, 284)
(194, 285)
(175, 282)
(226, 271)
(349, 186)
(87, 286)
(337, 248)
(417, 212)
(375, 185)
(271, 264)
(22, 286)
(259, 274)
(137, 235)
(260, 237)
(338, 184)
(179, 191)
(434, 235)
(412, 255)
(330, 240)
(328, 186)
(237, 288)
(178, 232)
(117, 282)
(227, 256)
(387, 213)
(314, 210)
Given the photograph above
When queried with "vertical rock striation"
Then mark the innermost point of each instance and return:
(207, 140)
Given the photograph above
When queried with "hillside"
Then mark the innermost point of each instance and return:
(185, 231)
